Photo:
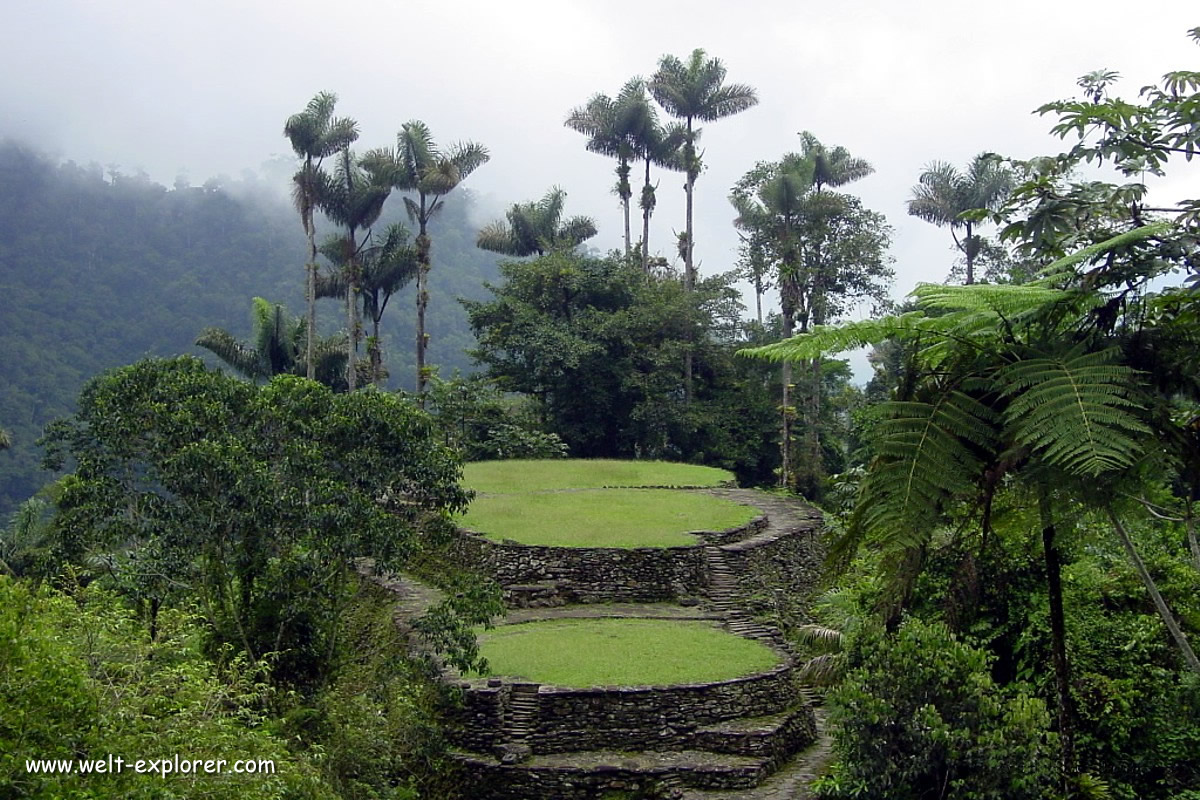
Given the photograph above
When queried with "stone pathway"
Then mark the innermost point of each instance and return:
(791, 781)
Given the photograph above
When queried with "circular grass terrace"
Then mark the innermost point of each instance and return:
(622, 652)
(603, 517)
(509, 477)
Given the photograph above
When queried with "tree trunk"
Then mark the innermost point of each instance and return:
(352, 311)
(1058, 635)
(646, 209)
(758, 293)
(970, 257)
(422, 304)
(785, 431)
(626, 195)
(689, 275)
(376, 355)
(311, 291)
(1189, 655)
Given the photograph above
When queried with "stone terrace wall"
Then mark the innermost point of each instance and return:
(640, 718)
(777, 573)
(588, 574)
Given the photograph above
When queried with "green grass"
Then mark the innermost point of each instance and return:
(622, 652)
(603, 517)
(504, 477)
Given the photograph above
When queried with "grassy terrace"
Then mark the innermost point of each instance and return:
(603, 517)
(622, 652)
(507, 477)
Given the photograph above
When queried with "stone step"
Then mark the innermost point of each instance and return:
(585, 774)
(775, 736)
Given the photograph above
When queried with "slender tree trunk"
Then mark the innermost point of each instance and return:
(689, 268)
(422, 304)
(626, 195)
(1189, 655)
(352, 311)
(1058, 635)
(970, 257)
(785, 427)
(646, 209)
(311, 290)
(758, 293)
(689, 275)
(375, 353)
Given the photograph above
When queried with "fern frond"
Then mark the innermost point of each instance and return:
(1075, 411)
(824, 339)
(928, 452)
(1005, 299)
(1056, 268)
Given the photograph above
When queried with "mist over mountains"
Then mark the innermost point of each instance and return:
(100, 268)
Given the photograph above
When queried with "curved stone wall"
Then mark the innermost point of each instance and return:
(639, 717)
(542, 575)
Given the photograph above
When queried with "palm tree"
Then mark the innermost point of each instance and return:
(354, 199)
(831, 167)
(614, 128)
(771, 203)
(275, 347)
(386, 268)
(690, 92)
(536, 227)
(944, 195)
(418, 165)
(5, 439)
(657, 145)
(315, 135)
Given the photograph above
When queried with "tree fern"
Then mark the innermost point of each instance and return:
(1075, 411)
(928, 452)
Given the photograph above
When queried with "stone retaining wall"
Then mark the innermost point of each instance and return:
(561, 575)
(775, 574)
(640, 718)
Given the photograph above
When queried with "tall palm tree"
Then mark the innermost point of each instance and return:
(944, 194)
(696, 91)
(536, 227)
(831, 167)
(658, 145)
(354, 199)
(387, 267)
(771, 201)
(614, 128)
(418, 165)
(276, 346)
(315, 134)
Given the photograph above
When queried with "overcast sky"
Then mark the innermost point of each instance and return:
(203, 88)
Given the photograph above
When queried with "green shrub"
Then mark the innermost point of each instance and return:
(919, 716)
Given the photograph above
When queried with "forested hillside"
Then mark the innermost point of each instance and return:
(99, 269)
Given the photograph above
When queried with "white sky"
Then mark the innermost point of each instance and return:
(204, 87)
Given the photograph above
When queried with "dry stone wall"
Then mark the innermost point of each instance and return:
(639, 717)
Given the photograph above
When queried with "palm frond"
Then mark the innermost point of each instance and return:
(241, 357)
(823, 670)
